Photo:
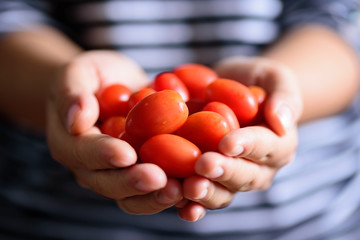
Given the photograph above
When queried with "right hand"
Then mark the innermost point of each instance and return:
(248, 157)
(100, 162)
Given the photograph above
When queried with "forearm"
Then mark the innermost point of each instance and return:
(28, 63)
(326, 67)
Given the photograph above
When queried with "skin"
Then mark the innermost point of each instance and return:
(60, 85)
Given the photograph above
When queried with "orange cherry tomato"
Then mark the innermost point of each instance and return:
(225, 111)
(196, 77)
(113, 126)
(205, 129)
(168, 80)
(172, 153)
(236, 95)
(135, 97)
(161, 112)
(113, 101)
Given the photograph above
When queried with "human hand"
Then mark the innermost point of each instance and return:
(248, 157)
(100, 162)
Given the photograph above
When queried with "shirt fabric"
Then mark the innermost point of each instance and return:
(315, 197)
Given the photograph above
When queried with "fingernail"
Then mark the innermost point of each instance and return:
(201, 214)
(202, 194)
(216, 172)
(117, 163)
(71, 117)
(141, 186)
(237, 150)
(285, 116)
(123, 162)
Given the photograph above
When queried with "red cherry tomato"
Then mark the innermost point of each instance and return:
(160, 112)
(168, 80)
(224, 111)
(113, 126)
(205, 129)
(260, 96)
(135, 97)
(113, 101)
(236, 95)
(172, 153)
(196, 77)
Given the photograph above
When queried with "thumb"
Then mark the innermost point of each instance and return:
(83, 78)
(283, 106)
(73, 94)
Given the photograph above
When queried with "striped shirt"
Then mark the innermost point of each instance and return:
(315, 197)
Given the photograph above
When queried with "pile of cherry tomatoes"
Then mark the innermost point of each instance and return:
(184, 113)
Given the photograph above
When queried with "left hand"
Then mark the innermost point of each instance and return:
(248, 157)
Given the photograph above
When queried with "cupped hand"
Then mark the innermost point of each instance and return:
(248, 157)
(100, 162)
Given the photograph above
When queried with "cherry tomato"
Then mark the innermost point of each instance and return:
(224, 111)
(172, 153)
(195, 105)
(135, 97)
(236, 95)
(205, 129)
(196, 77)
(260, 96)
(160, 112)
(168, 80)
(113, 126)
(113, 101)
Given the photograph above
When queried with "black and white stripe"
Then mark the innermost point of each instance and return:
(314, 197)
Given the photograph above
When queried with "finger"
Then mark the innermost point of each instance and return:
(90, 150)
(138, 179)
(153, 202)
(80, 80)
(192, 212)
(236, 174)
(284, 105)
(73, 95)
(208, 193)
(259, 144)
(242, 69)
